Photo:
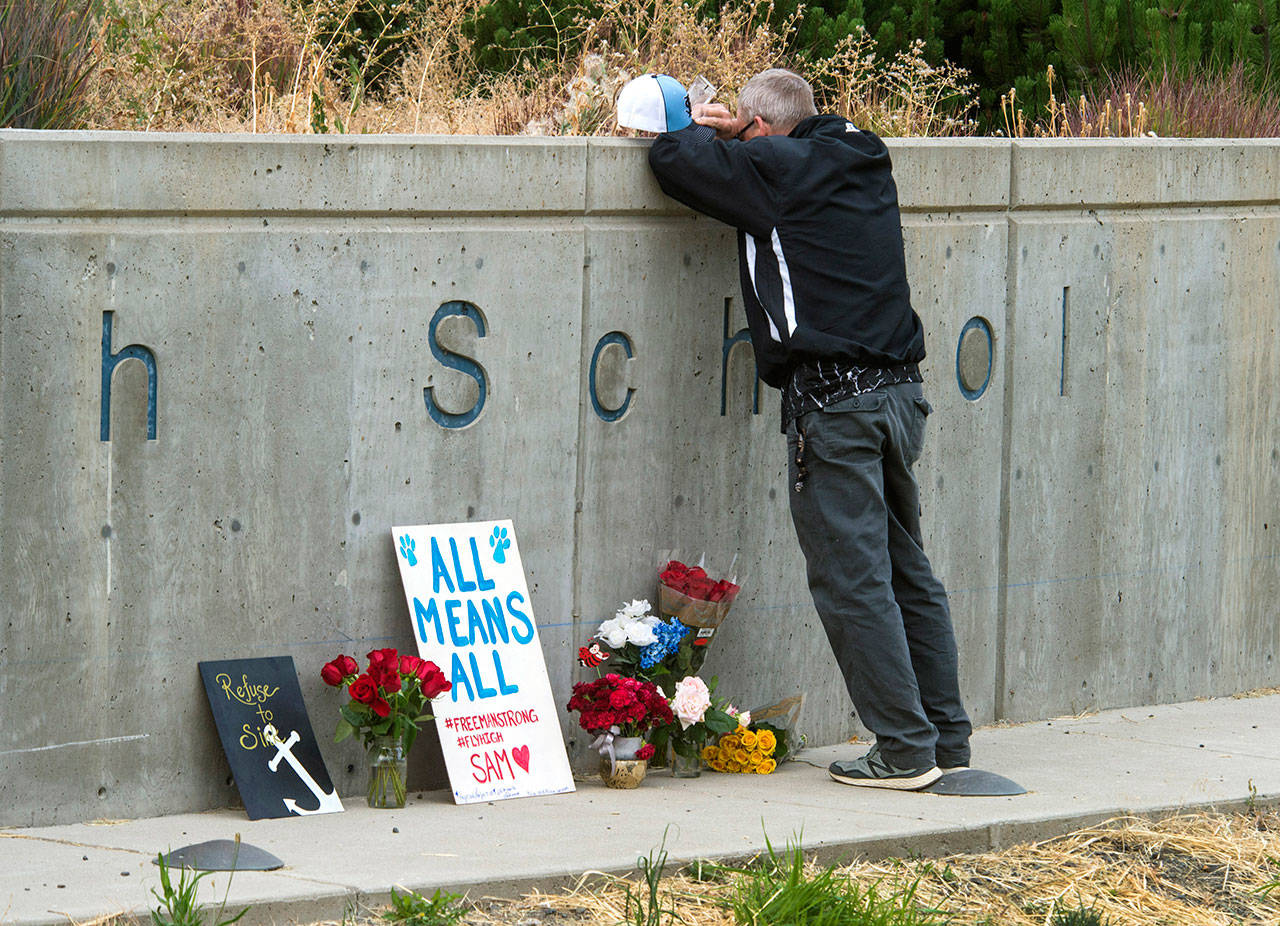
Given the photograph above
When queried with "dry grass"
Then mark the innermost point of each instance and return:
(1197, 869)
(260, 66)
(904, 96)
(1224, 104)
(1192, 870)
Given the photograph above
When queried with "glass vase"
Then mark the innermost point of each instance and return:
(685, 766)
(623, 773)
(387, 764)
(661, 757)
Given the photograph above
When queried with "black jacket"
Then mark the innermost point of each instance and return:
(819, 239)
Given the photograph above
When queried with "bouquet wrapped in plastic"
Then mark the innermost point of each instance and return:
(694, 598)
(673, 642)
(693, 604)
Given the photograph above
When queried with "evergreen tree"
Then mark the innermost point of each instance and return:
(1085, 36)
(1175, 35)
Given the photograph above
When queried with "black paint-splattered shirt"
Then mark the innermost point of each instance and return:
(819, 383)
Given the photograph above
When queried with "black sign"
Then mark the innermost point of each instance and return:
(262, 722)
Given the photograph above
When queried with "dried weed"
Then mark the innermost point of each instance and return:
(266, 66)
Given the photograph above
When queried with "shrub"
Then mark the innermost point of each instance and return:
(367, 41)
(505, 35)
(189, 63)
(45, 59)
(904, 95)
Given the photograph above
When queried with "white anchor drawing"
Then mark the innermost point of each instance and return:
(329, 803)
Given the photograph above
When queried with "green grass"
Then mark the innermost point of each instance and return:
(644, 908)
(779, 892)
(1078, 916)
(178, 904)
(412, 909)
(45, 59)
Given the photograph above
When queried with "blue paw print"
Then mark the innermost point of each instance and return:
(499, 541)
(406, 549)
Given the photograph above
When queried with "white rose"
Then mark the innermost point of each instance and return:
(692, 698)
(744, 719)
(635, 609)
(641, 632)
(613, 632)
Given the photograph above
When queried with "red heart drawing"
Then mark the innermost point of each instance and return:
(521, 755)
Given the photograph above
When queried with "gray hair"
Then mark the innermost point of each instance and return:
(781, 98)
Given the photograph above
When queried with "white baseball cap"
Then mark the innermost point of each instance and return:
(654, 103)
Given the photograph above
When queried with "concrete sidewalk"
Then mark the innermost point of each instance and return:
(1218, 753)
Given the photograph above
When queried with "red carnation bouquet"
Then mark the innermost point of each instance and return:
(621, 705)
(388, 699)
(692, 596)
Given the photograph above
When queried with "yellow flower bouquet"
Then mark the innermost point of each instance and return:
(745, 751)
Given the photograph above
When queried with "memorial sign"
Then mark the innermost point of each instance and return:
(469, 604)
(267, 737)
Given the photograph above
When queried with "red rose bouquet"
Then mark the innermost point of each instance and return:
(690, 595)
(388, 703)
(696, 604)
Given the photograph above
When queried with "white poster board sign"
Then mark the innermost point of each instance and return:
(471, 613)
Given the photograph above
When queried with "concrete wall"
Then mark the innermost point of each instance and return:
(1105, 511)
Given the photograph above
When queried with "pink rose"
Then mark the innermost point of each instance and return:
(691, 700)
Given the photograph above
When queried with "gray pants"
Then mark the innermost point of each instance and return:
(857, 517)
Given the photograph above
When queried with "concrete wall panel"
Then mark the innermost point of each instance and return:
(948, 175)
(957, 273)
(1100, 484)
(1132, 556)
(1109, 172)
(45, 173)
(292, 432)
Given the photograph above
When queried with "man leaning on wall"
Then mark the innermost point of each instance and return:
(825, 289)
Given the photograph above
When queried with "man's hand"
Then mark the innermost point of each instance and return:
(718, 117)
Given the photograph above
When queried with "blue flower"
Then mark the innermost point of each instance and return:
(669, 635)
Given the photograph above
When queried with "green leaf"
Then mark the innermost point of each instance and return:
(356, 715)
(343, 731)
(719, 722)
(687, 749)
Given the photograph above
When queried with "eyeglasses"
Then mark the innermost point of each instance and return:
(743, 130)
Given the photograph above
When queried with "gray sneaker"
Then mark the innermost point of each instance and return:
(874, 771)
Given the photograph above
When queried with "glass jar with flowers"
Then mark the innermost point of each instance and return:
(697, 717)
(388, 703)
(619, 711)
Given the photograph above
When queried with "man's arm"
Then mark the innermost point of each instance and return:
(718, 178)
